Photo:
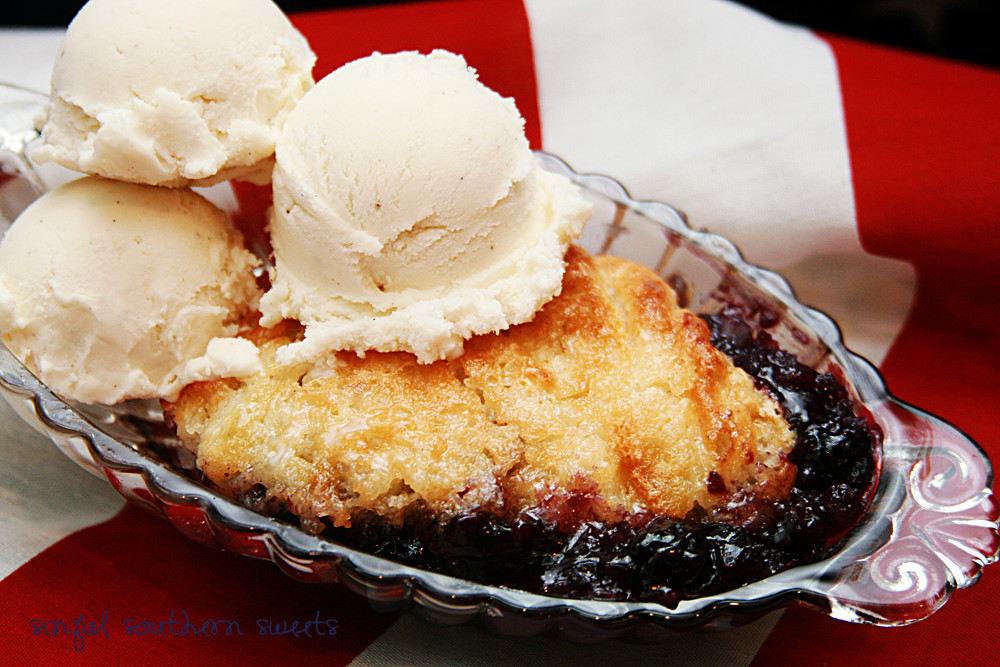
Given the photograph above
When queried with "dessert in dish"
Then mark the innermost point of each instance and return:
(610, 391)
(604, 449)
(444, 381)
(409, 212)
(187, 92)
(112, 291)
(934, 483)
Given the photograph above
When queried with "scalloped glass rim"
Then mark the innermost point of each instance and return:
(931, 528)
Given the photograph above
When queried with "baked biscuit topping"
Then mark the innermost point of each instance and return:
(611, 391)
(380, 433)
(613, 387)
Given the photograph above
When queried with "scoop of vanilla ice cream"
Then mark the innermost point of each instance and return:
(186, 92)
(409, 212)
(112, 290)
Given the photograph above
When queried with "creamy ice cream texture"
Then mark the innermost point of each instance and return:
(111, 291)
(185, 92)
(409, 212)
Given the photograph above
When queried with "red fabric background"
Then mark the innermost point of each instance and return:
(924, 142)
(137, 567)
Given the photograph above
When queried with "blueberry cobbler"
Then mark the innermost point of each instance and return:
(604, 443)
(617, 446)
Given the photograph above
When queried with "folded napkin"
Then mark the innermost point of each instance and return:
(869, 176)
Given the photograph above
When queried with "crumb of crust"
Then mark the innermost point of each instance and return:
(611, 392)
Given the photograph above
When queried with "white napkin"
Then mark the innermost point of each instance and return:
(731, 117)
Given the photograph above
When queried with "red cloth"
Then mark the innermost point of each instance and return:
(148, 596)
(925, 155)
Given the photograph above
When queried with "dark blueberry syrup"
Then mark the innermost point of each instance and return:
(659, 559)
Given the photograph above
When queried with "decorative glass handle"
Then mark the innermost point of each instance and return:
(939, 520)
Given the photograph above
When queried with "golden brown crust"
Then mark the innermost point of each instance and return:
(612, 390)
(613, 383)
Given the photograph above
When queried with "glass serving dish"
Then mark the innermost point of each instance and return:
(931, 527)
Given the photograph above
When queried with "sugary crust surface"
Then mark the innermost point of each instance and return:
(382, 433)
(611, 392)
